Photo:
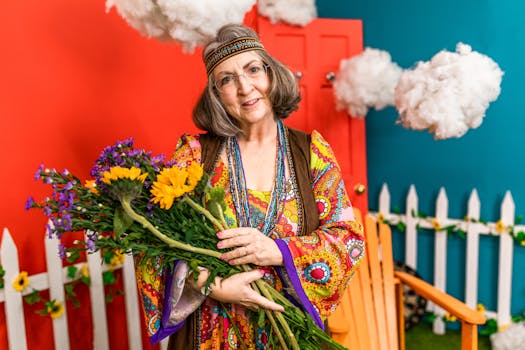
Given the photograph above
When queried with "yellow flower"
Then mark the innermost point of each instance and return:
(436, 225)
(21, 282)
(92, 186)
(118, 172)
(450, 318)
(84, 270)
(54, 308)
(500, 227)
(481, 308)
(503, 327)
(117, 259)
(380, 217)
(174, 182)
(195, 172)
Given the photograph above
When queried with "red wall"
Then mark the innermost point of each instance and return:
(74, 79)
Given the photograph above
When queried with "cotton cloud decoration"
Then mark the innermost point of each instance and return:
(512, 338)
(449, 94)
(296, 12)
(190, 23)
(366, 80)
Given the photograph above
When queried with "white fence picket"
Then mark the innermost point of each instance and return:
(56, 291)
(472, 257)
(506, 246)
(98, 304)
(132, 310)
(411, 228)
(440, 257)
(14, 307)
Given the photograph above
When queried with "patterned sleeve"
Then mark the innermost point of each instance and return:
(166, 298)
(320, 265)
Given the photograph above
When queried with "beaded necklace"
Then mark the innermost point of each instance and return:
(239, 189)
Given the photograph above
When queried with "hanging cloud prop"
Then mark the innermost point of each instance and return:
(449, 94)
(190, 23)
(295, 12)
(366, 80)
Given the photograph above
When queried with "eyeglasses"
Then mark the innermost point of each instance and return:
(228, 82)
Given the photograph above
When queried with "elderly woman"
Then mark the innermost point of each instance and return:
(286, 200)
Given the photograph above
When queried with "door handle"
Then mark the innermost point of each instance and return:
(330, 77)
(359, 189)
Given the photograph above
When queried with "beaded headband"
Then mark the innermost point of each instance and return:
(229, 49)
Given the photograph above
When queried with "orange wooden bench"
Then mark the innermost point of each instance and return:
(371, 315)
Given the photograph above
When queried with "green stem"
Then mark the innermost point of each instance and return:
(204, 212)
(269, 314)
(126, 205)
(264, 289)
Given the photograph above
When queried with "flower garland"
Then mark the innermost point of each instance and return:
(77, 275)
(516, 231)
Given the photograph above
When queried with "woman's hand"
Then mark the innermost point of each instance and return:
(251, 246)
(236, 289)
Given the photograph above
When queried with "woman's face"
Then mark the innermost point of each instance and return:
(242, 84)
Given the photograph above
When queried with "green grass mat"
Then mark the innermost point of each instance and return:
(421, 337)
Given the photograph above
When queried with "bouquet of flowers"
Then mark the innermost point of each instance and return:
(136, 203)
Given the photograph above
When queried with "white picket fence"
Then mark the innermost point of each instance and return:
(473, 229)
(54, 280)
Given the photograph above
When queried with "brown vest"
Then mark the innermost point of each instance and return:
(300, 149)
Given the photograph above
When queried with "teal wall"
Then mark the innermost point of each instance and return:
(489, 158)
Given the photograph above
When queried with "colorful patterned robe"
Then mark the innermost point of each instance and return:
(316, 271)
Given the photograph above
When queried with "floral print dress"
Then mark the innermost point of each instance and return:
(317, 267)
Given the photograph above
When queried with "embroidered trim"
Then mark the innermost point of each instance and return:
(229, 49)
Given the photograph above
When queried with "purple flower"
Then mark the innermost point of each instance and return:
(38, 173)
(91, 245)
(29, 203)
(61, 251)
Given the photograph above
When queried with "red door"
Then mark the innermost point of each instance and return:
(314, 53)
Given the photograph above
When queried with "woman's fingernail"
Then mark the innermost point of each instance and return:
(219, 234)
(262, 272)
(219, 245)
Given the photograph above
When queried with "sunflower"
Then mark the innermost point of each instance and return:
(118, 172)
(54, 308)
(84, 270)
(436, 225)
(450, 318)
(21, 282)
(174, 182)
(500, 226)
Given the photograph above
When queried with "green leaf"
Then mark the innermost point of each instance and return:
(108, 277)
(69, 289)
(72, 271)
(518, 220)
(491, 327)
(401, 226)
(85, 280)
(121, 222)
(462, 234)
(33, 297)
